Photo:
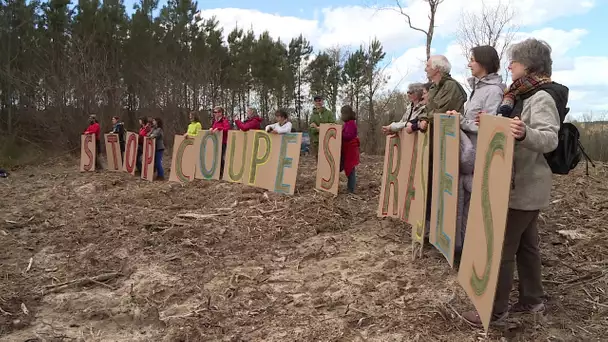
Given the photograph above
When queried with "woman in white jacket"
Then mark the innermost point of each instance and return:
(486, 95)
(282, 125)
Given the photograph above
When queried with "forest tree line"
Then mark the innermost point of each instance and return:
(62, 61)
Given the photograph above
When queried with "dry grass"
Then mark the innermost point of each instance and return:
(113, 258)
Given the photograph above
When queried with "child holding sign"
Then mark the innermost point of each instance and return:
(350, 146)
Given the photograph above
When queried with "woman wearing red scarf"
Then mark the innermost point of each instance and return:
(350, 146)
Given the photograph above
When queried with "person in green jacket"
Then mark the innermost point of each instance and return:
(445, 94)
(320, 114)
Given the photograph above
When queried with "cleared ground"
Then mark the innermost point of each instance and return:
(108, 257)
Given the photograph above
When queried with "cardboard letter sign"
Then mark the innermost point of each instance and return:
(236, 156)
(328, 165)
(147, 159)
(480, 263)
(183, 163)
(113, 152)
(417, 192)
(87, 152)
(130, 153)
(398, 156)
(208, 146)
(446, 156)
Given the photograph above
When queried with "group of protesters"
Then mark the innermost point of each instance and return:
(153, 128)
(535, 123)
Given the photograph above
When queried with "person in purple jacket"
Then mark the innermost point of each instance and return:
(350, 146)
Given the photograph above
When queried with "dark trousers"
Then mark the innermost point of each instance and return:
(122, 151)
(352, 181)
(140, 152)
(314, 149)
(223, 161)
(521, 245)
(97, 155)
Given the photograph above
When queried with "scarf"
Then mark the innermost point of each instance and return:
(519, 87)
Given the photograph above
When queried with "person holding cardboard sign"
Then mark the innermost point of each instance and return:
(349, 158)
(253, 121)
(118, 127)
(415, 108)
(221, 124)
(194, 127)
(145, 127)
(320, 114)
(157, 134)
(95, 130)
(535, 123)
(445, 94)
(282, 124)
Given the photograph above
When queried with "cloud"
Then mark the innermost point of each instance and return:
(351, 26)
(586, 76)
(355, 25)
(407, 68)
(284, 27)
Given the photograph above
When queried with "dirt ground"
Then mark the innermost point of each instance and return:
(109, 257)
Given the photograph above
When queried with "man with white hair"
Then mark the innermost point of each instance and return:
(445, 94)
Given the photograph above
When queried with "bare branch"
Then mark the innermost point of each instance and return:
(493, 26)
(408, 19)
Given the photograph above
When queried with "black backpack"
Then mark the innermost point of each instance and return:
(568, 153)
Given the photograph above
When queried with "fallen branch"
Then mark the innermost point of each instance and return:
(83, 281)
(596, 303)
(29, 265)
(5, 312)
(201, 216)
(585, 279)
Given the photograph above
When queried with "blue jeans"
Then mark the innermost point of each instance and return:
(158, 164)
(352, 181)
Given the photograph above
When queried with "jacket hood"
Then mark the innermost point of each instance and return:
(490, 79)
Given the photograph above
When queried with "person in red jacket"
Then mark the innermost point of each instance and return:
(96, 130)
(350, 146)
(221, 123)
(253, 121)
(145, 127)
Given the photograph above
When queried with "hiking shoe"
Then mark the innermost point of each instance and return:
(473, 319)
(518, 308)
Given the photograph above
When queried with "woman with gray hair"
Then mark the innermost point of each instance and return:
(532, 103)
(414, 108)
(253, 121)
